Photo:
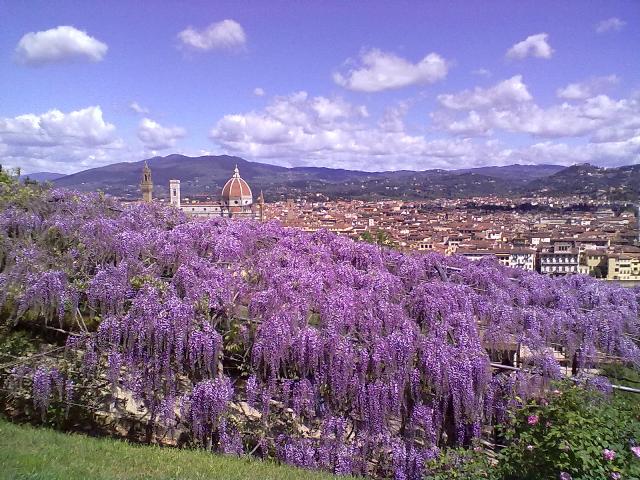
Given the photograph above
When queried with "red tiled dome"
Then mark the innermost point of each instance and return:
(236, 188)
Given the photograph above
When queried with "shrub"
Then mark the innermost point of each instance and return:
(461, 464)
(578, 432)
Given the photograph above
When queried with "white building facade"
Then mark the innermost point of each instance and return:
(236, 201)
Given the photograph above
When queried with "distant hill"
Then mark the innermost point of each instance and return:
(206, 176)
(520, 173)
(42, 176)
(622, 183)
(202, 175)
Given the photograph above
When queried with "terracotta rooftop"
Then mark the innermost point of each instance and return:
(236, 187)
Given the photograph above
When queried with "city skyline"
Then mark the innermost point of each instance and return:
(378, 87)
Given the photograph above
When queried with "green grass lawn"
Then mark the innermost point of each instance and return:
(38, 453)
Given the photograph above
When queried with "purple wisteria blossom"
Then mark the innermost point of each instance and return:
(349, 355)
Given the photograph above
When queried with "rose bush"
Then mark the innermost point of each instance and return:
(581, 434)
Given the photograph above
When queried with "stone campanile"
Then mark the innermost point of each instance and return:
(261, 214)
(174, 192)
(146, 185)
(638, 221)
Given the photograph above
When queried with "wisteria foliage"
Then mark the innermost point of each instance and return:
(350, 357)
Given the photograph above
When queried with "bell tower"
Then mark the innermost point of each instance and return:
(261, 215)
(638, 221)
(146, 185)
(174, 192)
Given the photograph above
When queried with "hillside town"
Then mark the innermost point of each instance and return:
(555, 236)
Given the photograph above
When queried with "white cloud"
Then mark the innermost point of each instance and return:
(473, 125)
(607, 154)
(509, 107)
(157, 137)
(287, 120)
(591, 118)
(299, 129)
(611, 24)
(586, 89)
(507, 92)
(137, 108)
(81, 127)
(57, 45)
(302, 130)
(393, 118)
(482, 72)
(224, 35)
(534, 46)
(258, 92)
(384, 71)
(59, 142)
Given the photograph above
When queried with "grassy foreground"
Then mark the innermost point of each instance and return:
(38, 453)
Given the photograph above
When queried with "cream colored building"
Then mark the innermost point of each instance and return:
(624, 266)
(595, 262)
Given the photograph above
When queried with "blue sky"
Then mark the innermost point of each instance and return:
(361, 85)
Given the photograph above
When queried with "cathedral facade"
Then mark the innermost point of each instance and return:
(236, 200)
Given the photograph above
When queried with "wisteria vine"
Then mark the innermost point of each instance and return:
(322, 351)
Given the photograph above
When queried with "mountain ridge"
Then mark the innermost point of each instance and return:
(205, 175)
(42, 176)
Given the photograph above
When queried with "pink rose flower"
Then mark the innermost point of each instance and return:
(533, 419)
(608, 455)
(529, 447)
(565, 476)
(615, 476)
(636, 451)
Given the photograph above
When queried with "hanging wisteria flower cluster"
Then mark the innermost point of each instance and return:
(322, 351)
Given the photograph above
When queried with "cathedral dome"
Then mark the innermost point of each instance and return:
(236, 191)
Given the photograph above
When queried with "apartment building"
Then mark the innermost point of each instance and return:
(624, 266)
(561, 258)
